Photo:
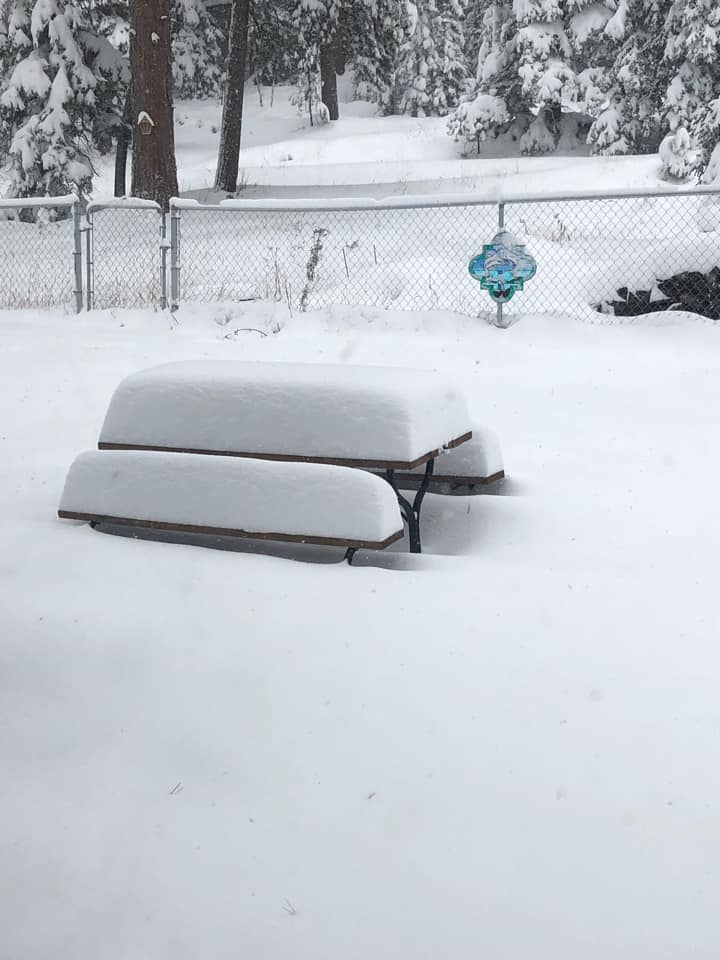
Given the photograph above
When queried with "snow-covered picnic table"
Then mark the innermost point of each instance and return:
(383, 419)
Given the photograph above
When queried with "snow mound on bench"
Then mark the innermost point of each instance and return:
(479, 458)
(256, 496)
(315, 410)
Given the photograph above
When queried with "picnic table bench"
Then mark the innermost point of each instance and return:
(391, 422)
(227, 497)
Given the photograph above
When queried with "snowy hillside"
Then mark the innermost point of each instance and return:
(367, 154)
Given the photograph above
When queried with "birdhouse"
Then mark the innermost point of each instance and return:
(145, 124)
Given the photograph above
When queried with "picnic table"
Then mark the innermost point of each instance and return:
(386, 420)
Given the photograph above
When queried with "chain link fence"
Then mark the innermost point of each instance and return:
(630, 253)
(411, 258)
(624, 255)
(125, 255)
(627, 253)
(41, 263)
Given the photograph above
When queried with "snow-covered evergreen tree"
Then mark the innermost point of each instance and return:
(197, 50)
(474, 31)
(630, 119)
(536, 60)
(497, 96)
(272, 42)
(693, 51)
(372, 33)
(58, 85)
(316, 25)
(432, 70)
(709, 141)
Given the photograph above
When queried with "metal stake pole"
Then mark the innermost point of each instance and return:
(174, 258)
(89, 265)
(501, 224)
(77, 256)
(163, 262)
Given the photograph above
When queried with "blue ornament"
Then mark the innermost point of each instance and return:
(503, 267)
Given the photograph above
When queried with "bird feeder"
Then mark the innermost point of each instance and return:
(145, 124)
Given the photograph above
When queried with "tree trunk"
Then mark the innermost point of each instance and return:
(341, 48)
(154, 169)
(228, 165)
(328, 79)
(123, 145)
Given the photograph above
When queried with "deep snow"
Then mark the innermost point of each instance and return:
(504, 748)
(229, 493)
(369, 155)
(337, 411)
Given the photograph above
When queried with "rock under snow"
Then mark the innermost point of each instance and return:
(228, 493)
(339, 412)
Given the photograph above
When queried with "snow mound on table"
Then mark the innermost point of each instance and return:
(480, 457)
(314, 410)
(255, 496)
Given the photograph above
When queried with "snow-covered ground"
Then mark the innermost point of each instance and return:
(365, 154)
(504, 748)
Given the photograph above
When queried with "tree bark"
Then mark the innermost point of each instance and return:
(228, 165)
(341, 48)
(122, 146)
(328, 79)
(154, 169)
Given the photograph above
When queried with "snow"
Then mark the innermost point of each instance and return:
(334, 411)
(257, 496)
(122, 203)
(283, 156)
(24, 203)
(505, 747)
(479, 457)
(676, 154)
(591, 20)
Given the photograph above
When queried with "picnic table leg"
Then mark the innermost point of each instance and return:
(411, 511)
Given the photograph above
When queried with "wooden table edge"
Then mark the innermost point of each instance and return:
(296, 458)
(232, 532)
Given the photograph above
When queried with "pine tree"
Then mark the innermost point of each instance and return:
(710, 143)
(228, 165)
(197, 50)
(316, 25)
(497, 97)
(474, 32)
(693, 51)
(432, 69)
(59, 93)
(154, 170)
(373, 32)
(272, 43)
(630, 120)
(537, 59)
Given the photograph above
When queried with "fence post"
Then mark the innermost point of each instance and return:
(501, 225)
(89, 263)
(77, 255)
(174, 257)
(163, 261)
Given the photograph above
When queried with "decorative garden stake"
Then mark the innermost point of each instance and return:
(502, 268)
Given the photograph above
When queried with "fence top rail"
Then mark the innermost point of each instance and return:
(439, 200)
(22, 203)
(123, 203)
